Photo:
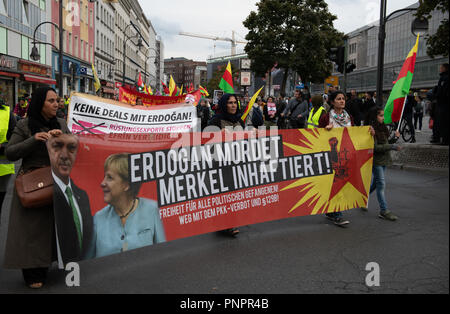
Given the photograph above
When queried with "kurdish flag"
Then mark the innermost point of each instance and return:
(203, 91)
(172, 87)
(394, 106)
(226, 84)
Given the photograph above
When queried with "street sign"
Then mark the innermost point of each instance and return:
(245, 64)
(246, 78)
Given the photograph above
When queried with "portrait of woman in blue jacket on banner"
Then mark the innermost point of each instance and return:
(128, 222)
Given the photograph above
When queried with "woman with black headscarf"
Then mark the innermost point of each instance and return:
(228, 116)
(31, 234)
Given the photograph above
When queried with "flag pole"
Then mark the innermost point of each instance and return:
(401, 116)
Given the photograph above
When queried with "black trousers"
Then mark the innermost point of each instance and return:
(409, 121)
(34, 275)
(418, 117)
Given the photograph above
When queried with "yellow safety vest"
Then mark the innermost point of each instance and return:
(6, 167)
(313, 120)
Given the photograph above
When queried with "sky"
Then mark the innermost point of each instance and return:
(220, 17)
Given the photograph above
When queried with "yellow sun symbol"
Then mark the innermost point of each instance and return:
(320, 193)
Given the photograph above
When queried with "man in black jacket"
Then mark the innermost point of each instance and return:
(297, 110)
(354, 106)
(441, 95)
(74, 223)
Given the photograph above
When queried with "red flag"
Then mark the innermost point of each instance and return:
(166, 89)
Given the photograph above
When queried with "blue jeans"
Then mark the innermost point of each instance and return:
(378, 183)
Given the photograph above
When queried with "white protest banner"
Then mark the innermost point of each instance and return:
(94, 115)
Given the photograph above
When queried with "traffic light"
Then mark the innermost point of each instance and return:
(337, 55)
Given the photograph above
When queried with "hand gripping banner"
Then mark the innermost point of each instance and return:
(133, 190)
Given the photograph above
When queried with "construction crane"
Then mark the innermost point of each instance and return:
(233, 40)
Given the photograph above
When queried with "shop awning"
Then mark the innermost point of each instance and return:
(39, 79)
(9, 74)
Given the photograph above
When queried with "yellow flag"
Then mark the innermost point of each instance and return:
(250, 104)
(172, 86)
(97, 84)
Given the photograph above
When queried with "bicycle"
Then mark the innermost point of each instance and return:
(404, 130)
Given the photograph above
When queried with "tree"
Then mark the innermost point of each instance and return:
(294, 34)
(438, 43)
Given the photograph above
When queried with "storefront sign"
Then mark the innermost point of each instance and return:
(33, 68)
(8, 63)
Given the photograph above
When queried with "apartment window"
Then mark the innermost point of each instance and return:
(43, 53)
(70, 44)
(3, 39)
(25, 12)
(25, 47)
(42, 4)
(75, 47)
(3, 7)
(83, 52)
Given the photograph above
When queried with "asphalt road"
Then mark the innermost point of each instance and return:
(297, 255)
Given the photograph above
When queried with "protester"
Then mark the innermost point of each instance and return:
(7, 125)
(228, 117)
(381, 159)
(20, 110)
(138, 102)
(255, 117)
(204, 113)
(408, 116)
(281, 105)
(337, 117)
(128, 222)
(270, 112)
(31, 233)
(354, 106)
(317, 111)
(325, 102)
(62, 109)
(369, 103)
(418, 113)
(296, 110)
(441, 95)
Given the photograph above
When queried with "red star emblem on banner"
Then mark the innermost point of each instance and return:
(352, 171)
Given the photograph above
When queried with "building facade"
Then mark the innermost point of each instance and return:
(78, 44)
(104, 55)
(140, 44)
(186, 72)
(362, 50)
(19, 73)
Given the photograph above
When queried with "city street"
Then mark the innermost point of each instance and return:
(298, 255)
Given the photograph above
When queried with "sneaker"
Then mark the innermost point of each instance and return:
(387, 215)
(341, 222)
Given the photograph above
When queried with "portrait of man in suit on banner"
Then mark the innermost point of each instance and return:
(74, 223)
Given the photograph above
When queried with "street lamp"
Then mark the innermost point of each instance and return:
(417, 27)
(139, 45)
(35, 56)
(145, 67)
